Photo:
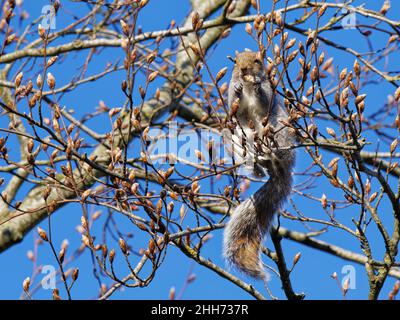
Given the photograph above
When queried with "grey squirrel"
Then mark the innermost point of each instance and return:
(259, 114)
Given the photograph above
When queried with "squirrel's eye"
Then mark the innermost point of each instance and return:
(257, 61)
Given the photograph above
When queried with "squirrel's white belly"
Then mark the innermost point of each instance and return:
(250, 101)
(256, 110)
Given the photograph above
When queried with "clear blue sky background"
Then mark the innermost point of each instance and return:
(311, 275)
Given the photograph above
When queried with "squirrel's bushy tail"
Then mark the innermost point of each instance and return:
(251, 220)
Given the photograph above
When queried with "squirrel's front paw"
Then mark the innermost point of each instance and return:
(238, 87)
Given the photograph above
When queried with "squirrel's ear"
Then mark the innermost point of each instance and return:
(236, 52)
(231, 58)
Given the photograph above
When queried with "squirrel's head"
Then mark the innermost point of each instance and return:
(248, 65)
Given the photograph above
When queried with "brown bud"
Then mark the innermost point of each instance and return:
(56, 295)
(291, 43)
(51, 81)
(56, 5)
(334, 182)
(322, 10)
(124, 85)
(30, 255)
(30, 145)
(32, 101)
(42, 234)
(310, 38)
(195, 19)
(41, 31)
(75, 274)
(350, 182)
(142, 92)
(357, 69)
(86, 240)
(113, 112)
(158, 94)
(225, 33)
(104, 251)
(111, 256)
(39, 81)
(195, 49)
(221, 73)
(131, 175)
(373, 196)
(152, 246)
(142, 3)
(152, 76)
(134, 188)
(333, 162)
(199, 25)
(385, 7)
(170, 207)
(394, 291)
(151, 57)
(392, 39)
(367, 186)
(86, 194)
(335, 169)
(18, 79)
(278, 18)
(346, 285)
(292, 56)
(324, 201)
(124, 27)
(397, 94)
(331, 132)
(28, 88)
(235, 107)
(11, 3)
(10, 39)
(327, 64)
(84, 222)
(51, 61)
(172, 293)
(159, 207)
(296, 258)
(123, 246)
(249, 28)
(26, 284)
(141, 226)
(360, 98)
(65, 244)
(343, 74)
(199, 154)
(61, 255)
(314, 74)
(169, 172)
(393, 145)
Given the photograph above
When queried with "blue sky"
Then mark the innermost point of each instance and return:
(312, 273)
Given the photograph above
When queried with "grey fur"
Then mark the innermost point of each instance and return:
(251, 220)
